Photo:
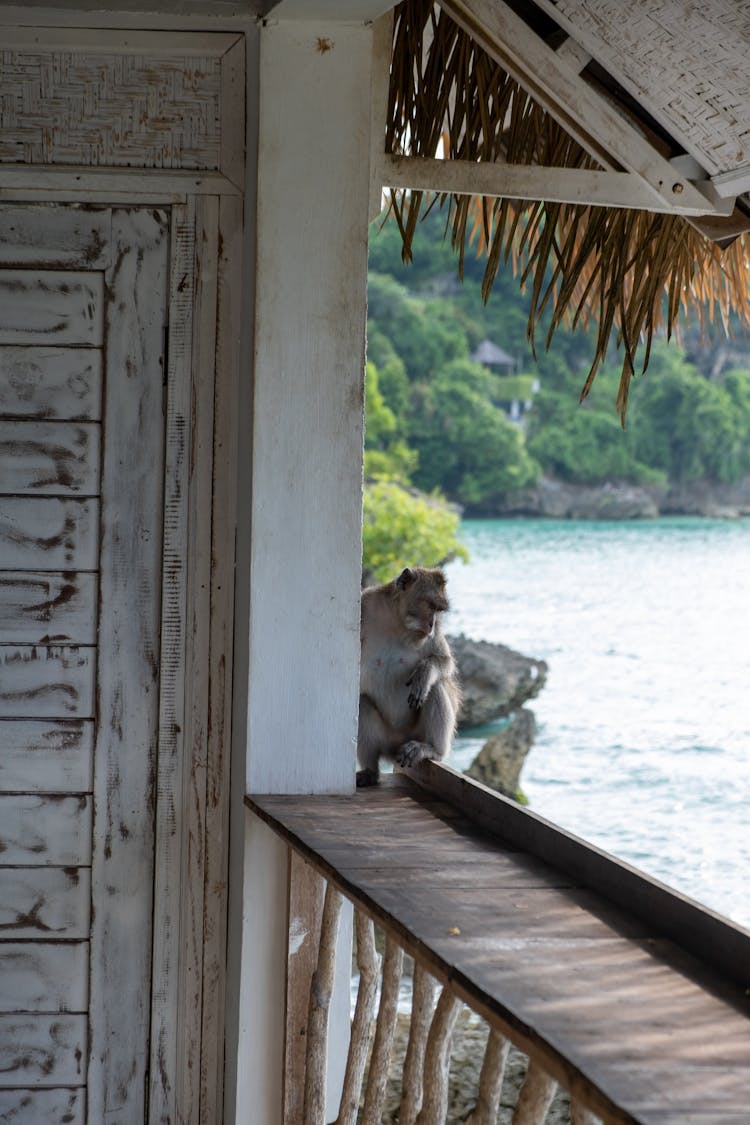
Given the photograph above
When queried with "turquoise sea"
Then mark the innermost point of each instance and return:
(643, 743)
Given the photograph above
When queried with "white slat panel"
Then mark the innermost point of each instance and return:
(45, 831)
(38, 607)
(128, 670)
(49, 383)
(44, 976)
(46, 757)
(49, 458)
(46, 235)
(51, 307)
(43, 1107)
(43, 1050)
(44, 902)
(55, 682)
(44, 533)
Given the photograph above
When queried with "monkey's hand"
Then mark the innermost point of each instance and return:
(419, 684)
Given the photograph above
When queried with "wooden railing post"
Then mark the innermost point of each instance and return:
(386, 1025)
(491, 1080)
(581, 1116)
(422, 1004)
(536, 1096)
(437, 1058)
(362, 1024)
(317, 1020)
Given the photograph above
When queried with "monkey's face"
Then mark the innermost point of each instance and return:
(421, 594)
(423, 611)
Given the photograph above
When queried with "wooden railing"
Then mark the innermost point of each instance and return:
(601, 994)
(423, 1098)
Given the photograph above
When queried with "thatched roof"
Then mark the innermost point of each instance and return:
(491, 355)
(629, 272)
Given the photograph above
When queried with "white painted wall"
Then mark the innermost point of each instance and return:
(303, 555)
(313, 184)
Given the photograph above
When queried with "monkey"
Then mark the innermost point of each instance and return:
(408, 691)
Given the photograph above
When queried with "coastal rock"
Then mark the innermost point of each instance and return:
(615, 500)
(495, 680)
(498, 764)
(705, 498)
(556, 499)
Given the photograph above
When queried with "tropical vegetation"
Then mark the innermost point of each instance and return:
(437, 421)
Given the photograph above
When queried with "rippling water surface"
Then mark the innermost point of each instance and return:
(643, 744)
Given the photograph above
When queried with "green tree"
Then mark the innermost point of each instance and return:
(689, 426)
(466, 445)
(386, 454)
(401, 528)
(422, 332)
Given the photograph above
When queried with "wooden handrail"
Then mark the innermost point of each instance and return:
(709, 936)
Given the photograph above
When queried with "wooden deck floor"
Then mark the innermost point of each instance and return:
(613, 1007)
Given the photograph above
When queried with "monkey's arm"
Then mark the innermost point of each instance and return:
(437, 666)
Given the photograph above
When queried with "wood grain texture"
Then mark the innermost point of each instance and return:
(218, 766)
(63, 1106)
(42, 607)
(49, 458)
(45, 902)
(306, 894)
(49, 383)
(46, 681)
(128, 667)
(51, 307)
(54, 756)
(687, 65)
(304, 475)
(44, 976)
(42, 1050)
(633, 1025)
(55, 237)
(174, 745)
(117, 107)
(46, 533)
(45, 830)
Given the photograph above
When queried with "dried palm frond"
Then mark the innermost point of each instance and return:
(625, 271)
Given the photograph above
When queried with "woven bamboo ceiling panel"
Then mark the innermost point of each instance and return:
(110, 100)
(688, 63)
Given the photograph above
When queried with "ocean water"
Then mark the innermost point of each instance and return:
(643, 743)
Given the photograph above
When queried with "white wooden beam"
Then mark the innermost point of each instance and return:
(382, 46)
(521, 181)
(163, 183)
(300, 585)
(553, 82)
(731, 184)
(313, 196)
(574, 54)
(353, 11)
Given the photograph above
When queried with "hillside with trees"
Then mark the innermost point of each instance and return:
(438, 421)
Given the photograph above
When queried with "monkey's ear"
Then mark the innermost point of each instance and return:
(405, 579)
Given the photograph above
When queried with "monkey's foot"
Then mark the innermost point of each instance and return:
(367, 777)
(412, 752)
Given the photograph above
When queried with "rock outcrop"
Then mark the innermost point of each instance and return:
(556, 499)
(498, 764)
(495, 680)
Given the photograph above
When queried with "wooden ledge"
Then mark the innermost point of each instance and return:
(629, 1020)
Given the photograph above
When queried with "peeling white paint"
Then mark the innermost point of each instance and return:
(297, 935)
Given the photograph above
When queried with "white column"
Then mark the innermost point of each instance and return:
(303, 559)
(313, 186)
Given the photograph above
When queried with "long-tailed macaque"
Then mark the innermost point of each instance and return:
(408, 692)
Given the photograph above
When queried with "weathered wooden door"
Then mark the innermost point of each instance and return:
(83, 298)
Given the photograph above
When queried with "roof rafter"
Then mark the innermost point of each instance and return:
(553, 80)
